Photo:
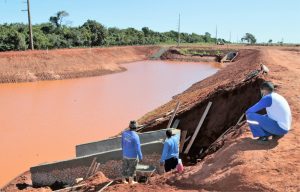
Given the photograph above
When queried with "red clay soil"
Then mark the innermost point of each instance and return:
(242, 164)
(233, 74)
(94, 183)
(23, 183)
(208, 56)
(68, 63)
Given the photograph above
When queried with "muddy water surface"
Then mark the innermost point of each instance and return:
(43, 121)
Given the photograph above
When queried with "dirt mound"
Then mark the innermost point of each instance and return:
(68, 63)
(23, 183)
(94, 183)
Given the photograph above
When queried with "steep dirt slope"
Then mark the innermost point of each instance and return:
(243, 164)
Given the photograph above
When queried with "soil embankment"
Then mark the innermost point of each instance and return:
(241, 164)
(196, 54)
(39, 65)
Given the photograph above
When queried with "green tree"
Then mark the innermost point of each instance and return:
(97, 32)
(55, 35)
(249, 38)
(114, 36)
(270, 41)
(40, 40)
(207, 37)
(47, 28)
(58, 18)
(11, 39)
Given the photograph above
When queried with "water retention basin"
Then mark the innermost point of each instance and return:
(49, 118)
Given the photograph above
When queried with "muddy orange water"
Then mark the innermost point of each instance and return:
(43, 121)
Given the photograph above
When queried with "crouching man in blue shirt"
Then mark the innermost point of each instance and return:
(170, 154)
(277, 121)
(132, 153)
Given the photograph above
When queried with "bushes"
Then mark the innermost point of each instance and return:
(91, 33)
(11, 39)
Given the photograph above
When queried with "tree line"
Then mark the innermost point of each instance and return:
(54, 34)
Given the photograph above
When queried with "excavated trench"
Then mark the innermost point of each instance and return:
(228, 104)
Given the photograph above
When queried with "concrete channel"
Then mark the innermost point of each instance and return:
(107, 152)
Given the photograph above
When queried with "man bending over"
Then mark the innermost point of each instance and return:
(277, 121)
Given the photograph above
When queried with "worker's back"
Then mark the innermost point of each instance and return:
(280, 111)
(172, 149)
(131, 145)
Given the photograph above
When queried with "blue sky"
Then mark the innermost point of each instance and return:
(266, 19)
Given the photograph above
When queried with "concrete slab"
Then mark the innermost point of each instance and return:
(115, 143)
(108, 153)
(67, 171)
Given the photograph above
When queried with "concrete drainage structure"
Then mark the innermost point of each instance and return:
(107, 152)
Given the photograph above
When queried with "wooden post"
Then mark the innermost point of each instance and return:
(198, 128)
(96, 169)
(70, 188)
(176, 123)
(201, 150)
(30, 26)
(240, 119)
(187, 138)
(93, 169)
(90, 168)
(108, 184)
(173, 115)
(182, 140)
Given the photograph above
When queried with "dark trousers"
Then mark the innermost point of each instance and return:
(171, 164)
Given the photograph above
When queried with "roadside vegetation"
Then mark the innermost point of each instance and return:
(203, 52)
(56, 34)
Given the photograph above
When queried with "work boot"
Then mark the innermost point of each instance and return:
(277, 137)
(265, 138)
(131, 181)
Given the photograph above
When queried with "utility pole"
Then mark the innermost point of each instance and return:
(178, 41)
(216, 34)
(230, 37)
(29, 26)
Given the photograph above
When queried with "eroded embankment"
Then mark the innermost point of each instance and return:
(230, 93)
(195, 54)
(39, 65)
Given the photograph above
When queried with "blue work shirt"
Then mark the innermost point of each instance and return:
(171, 148)
(131, 145)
